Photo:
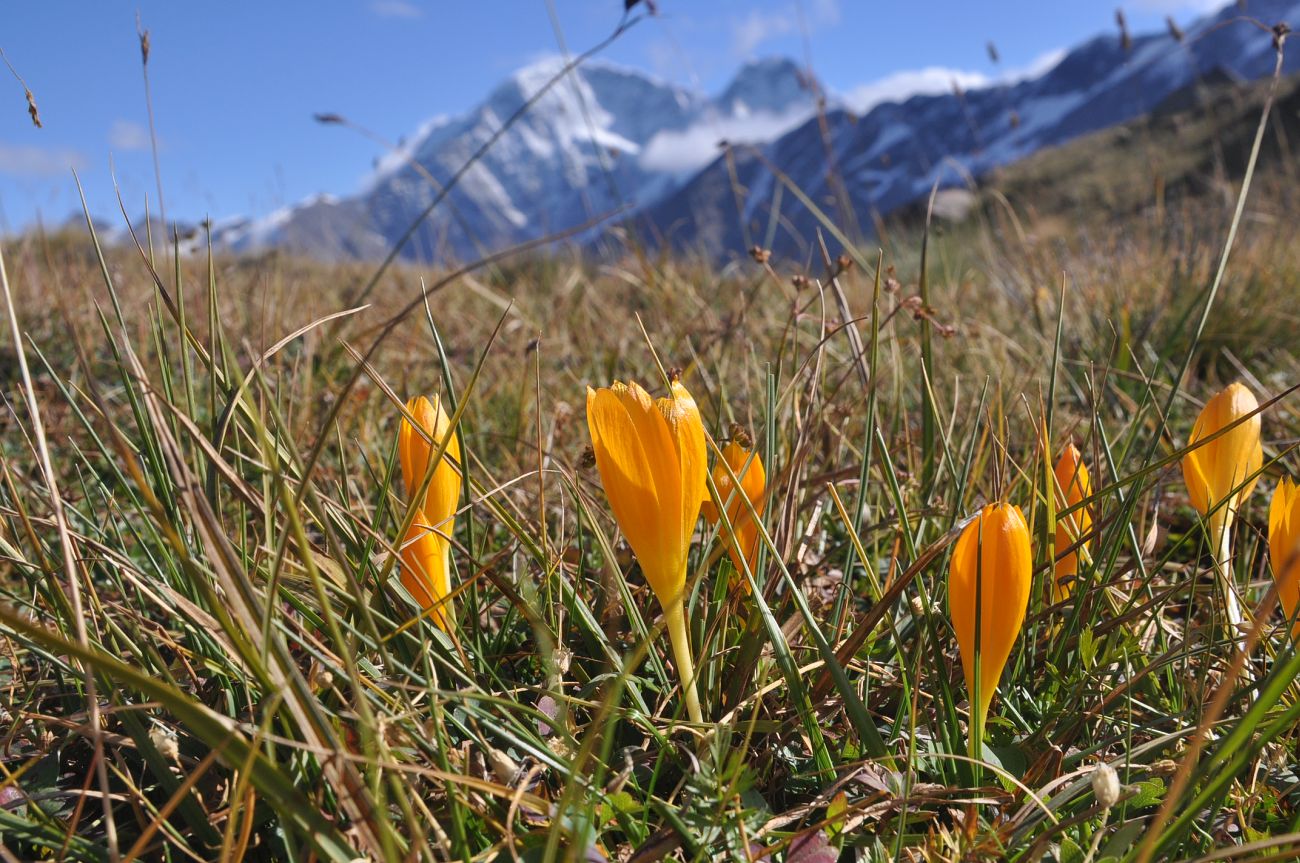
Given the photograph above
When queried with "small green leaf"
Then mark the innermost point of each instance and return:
(620, 802)
(1149, 793)
(835, 814)
(1123, 840)
(1087, 648)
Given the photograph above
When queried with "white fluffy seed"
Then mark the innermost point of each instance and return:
(1105, 785)
(164, 740)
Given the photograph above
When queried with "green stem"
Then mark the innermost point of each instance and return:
(442, 595)
(675, 620)
(979, 716)
(1221, 536)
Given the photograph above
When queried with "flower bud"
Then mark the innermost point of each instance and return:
(1213, 470)
(988, 593)
(1073, 487)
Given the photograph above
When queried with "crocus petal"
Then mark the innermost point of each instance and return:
(616, 418)
(992, 560)
(426, 565)
(1284, 546)
(412, 449)
(1073, 486)
(1198, 487)
(748, 468)
(656, 439)
(682, 419)
(414, 452)
(1213, 470)
(425, 572)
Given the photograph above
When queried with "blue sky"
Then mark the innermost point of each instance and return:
(235, 84)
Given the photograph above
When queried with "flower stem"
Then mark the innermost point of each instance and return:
(443, 594)
(676, 622)
(979, 716)
(1221, 536)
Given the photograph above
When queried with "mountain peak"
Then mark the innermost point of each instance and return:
(530, 79)
(772, 84)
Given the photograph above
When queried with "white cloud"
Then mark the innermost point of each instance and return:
(1172, 7)
(38, 161)
(395, 9)
(900, 85)
(128, 137)
(826, 12)
(690, 149)
(665, 58)
(750, 32)
(933, 80)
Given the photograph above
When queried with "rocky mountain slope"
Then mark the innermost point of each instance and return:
(611, 140)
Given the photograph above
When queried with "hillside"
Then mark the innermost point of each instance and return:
(1194, 145)
(856, 170)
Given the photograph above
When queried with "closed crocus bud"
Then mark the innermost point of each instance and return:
(426, 565)
(1215, 469)
(1284, 547)
(989, 579)
(652, 463)
(1073, 486)
(1213, 472)
(742, 536)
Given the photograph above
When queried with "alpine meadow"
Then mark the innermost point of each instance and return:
(775, 520)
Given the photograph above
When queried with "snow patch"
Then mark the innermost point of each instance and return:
(401, 156)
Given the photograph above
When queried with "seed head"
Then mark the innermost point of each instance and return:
(164, 740)
(1105, 785)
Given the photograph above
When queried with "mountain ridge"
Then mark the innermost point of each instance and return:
(895, 153)
(607, 138)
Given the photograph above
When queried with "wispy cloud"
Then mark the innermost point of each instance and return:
(395, 9)
(1173, 7)
(29, 162)
(690, 149)
(752, 31)
(932, 80)
(825, 12)
(665, 58)
(127, 137)
(898, 86)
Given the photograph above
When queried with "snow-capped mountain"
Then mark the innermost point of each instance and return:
(603, 138)
(607, 139)
(859, 167)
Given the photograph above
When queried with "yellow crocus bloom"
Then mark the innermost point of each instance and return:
(1284, 547)
(426, 564)
(989, 578)
(1215, 469)
(652, 463)
(742, 538)
(1073, 486)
